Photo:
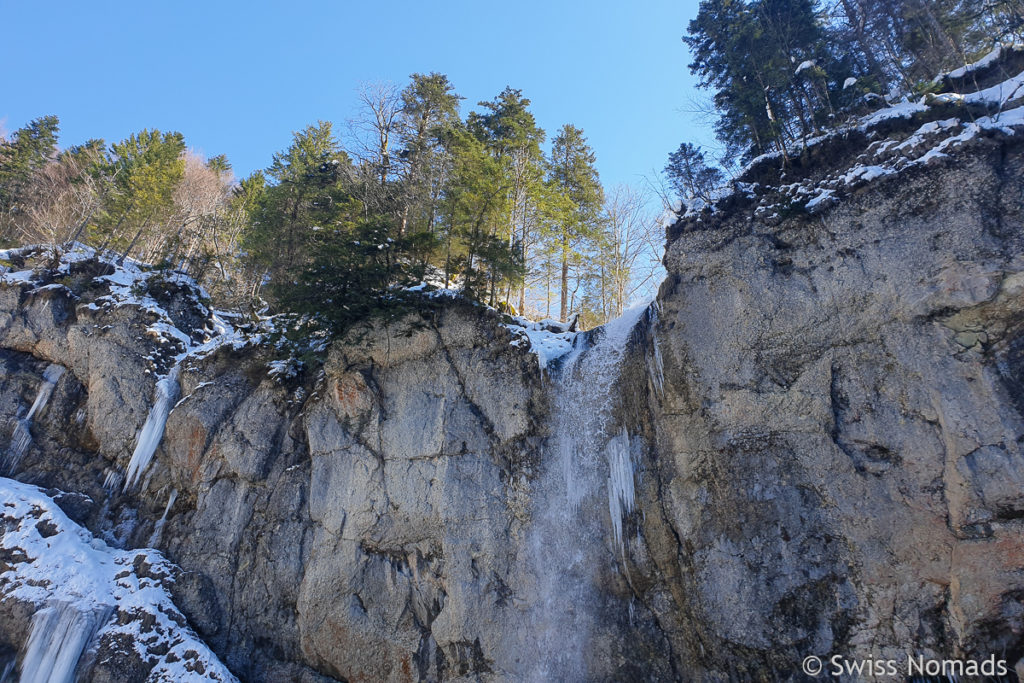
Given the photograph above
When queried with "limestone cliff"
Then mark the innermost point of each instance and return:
(810, 444)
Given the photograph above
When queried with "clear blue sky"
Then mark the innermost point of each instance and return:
(238, 77)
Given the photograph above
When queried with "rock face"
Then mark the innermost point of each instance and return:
(837, 465)
(370, 516)
(809, 444)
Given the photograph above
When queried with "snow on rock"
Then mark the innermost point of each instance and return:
(90, 595)
(849, 82)
(901, 110)
(983, 63)
(547, 339)
(890, 148)
(823, 199)
(284, 369)
(170, 299)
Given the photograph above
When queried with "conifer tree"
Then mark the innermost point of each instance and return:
(690, 175)
(305, 189)
(429, 106)
(572, 174)
(144, 171)
(511, 135)
(25, 154)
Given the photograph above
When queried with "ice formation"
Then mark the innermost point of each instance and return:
(21, 438)
(167, 391)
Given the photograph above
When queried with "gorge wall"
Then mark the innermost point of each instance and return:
(809, 444)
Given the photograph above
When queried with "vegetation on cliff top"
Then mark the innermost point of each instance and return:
(785, 72)
(336, 230)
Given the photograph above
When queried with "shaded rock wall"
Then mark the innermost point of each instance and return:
(837, 463)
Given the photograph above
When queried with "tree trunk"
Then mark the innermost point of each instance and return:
(563, 314)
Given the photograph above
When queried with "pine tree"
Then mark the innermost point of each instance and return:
(690, 175)
(429, 106)
(474, 204)
(144, 171)
(511, 135)
(305, 191)
(751, 54)
(21, 157)
(573, 175)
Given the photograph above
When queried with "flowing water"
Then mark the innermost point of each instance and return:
(589, 474)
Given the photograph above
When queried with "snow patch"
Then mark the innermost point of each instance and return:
(78, 584)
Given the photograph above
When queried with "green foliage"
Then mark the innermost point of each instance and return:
(777, 67)
(690, 175)
(28, 150)
(576, 215)
(143, 172)
(748, 52)
(354, 273)
(304, 192)
(473, 211)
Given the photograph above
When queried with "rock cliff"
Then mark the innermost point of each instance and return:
(810, 444)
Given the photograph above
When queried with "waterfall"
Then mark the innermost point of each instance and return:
(159, 528)
(167, 390)
(60, 632)
(21, 437)
(621, 493)
(587, 456)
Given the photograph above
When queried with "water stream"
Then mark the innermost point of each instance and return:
(589, 475)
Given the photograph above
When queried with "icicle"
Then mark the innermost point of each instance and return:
(585, 454)
(113, 479)
(21, 437)
(655, 364)
(621, 494)
(167, 390)
(158, 530)
(59, 635)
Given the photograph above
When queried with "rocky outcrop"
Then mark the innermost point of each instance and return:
(837, 464)
(356, 521)
(810, 444)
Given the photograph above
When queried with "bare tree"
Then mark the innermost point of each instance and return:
(373, 132)
(635, 241)
(64, 199)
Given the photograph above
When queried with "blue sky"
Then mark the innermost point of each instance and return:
(238, 77)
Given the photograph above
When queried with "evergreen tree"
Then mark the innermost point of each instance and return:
(769, 64)
(573, 175)
(690, 175)
(511, 135)
(144, 171)
(21, 157)
(305, 191)
(474, 203)
(429, 106)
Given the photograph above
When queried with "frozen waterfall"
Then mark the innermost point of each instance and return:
(21, 437)
(59, 634)
(158, 529)
(589, 470)
(167, 390)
